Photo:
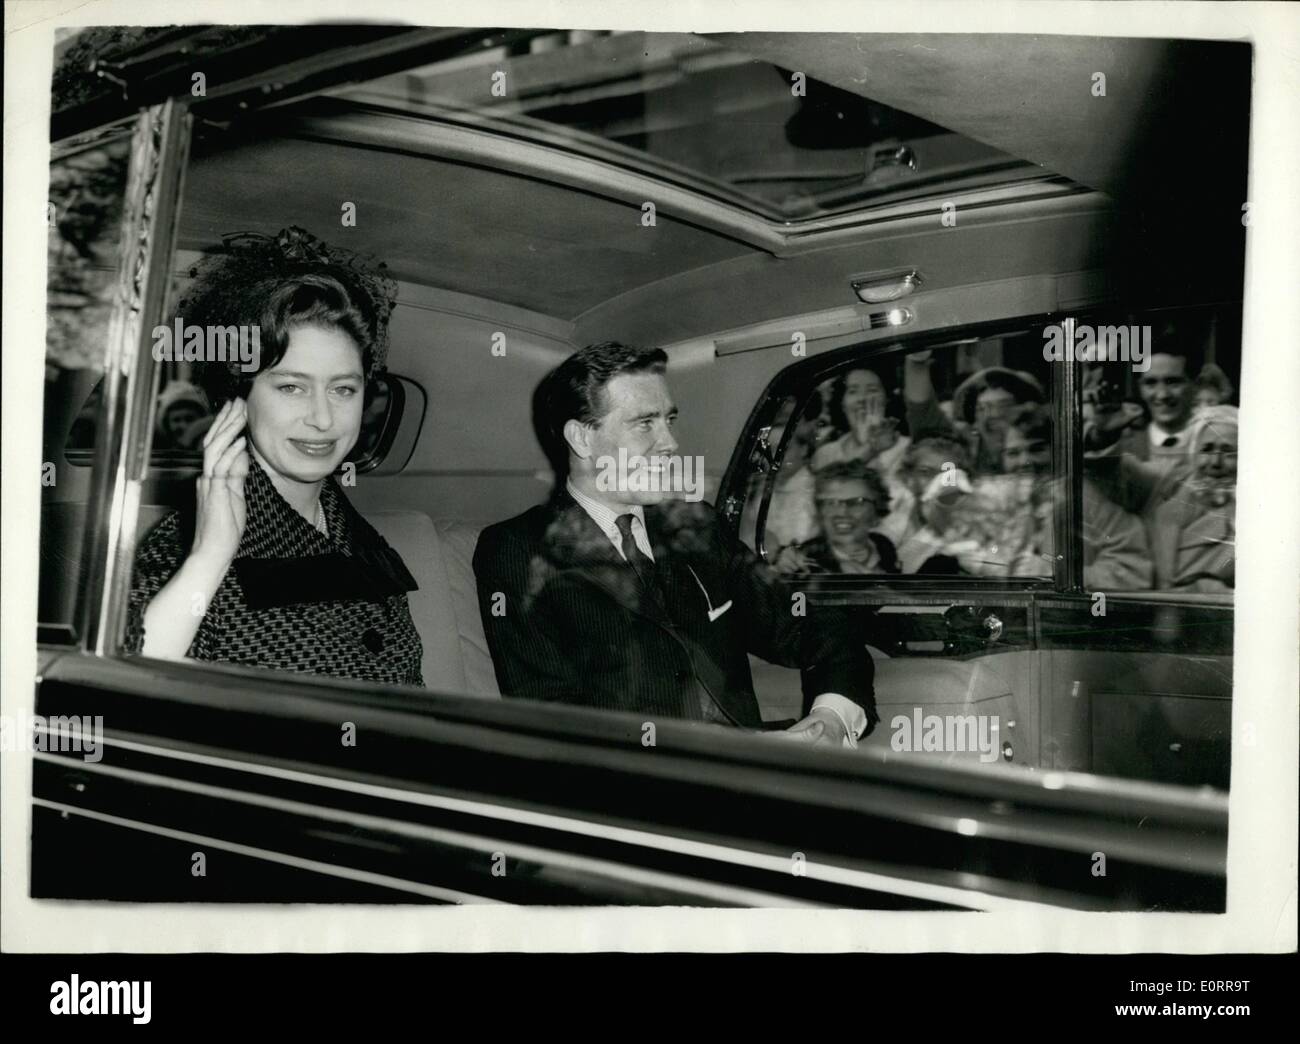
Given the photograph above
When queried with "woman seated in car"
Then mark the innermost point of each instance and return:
(851, 499)
(272, 567)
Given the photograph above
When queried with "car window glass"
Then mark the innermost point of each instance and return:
(182, 416)
(928, 461)
(85, 211)
(1160, 419)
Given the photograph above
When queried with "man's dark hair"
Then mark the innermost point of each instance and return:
(573, 391)
(1171, 339)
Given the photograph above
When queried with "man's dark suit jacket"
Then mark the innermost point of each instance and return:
(577, 625)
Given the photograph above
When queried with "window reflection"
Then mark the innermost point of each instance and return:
(1160, 442)
(87, 190)
(922, 439)
(959, 441)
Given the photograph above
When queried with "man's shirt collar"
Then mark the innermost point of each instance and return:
(607, 519)
(1157, 435)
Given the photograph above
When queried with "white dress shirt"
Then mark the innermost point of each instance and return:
(1166, 457)
(1158, 435)
(852, 717)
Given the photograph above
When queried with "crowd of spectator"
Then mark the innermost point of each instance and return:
(874, 482)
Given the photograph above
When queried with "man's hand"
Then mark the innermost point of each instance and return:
(821, 728)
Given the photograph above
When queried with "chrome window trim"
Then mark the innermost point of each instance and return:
(1067, 462)
(159, 150)
(283, 859)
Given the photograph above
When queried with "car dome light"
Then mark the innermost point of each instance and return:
(882, 288)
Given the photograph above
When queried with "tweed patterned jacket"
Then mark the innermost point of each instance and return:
(294, 599)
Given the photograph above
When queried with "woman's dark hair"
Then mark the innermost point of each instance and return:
(572, 391)
(836, 406)
(277, 283)
(319, 298)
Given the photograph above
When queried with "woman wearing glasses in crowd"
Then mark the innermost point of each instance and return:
(272, 567)
(851, 499)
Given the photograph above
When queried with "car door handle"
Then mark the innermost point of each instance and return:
(993, 625)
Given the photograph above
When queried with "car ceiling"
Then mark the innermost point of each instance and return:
(472, 230)
(538, 245)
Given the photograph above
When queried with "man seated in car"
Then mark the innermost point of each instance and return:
(617, 595)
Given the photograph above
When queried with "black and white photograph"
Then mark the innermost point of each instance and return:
(613, 466)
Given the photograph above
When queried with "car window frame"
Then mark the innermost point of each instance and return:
(160, 138)
(67, 633)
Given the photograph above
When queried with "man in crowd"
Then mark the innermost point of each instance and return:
(1168, 393)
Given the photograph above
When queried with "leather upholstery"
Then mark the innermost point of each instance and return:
(445, 608)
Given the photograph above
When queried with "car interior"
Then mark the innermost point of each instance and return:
(795, 219)
(737, 232)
